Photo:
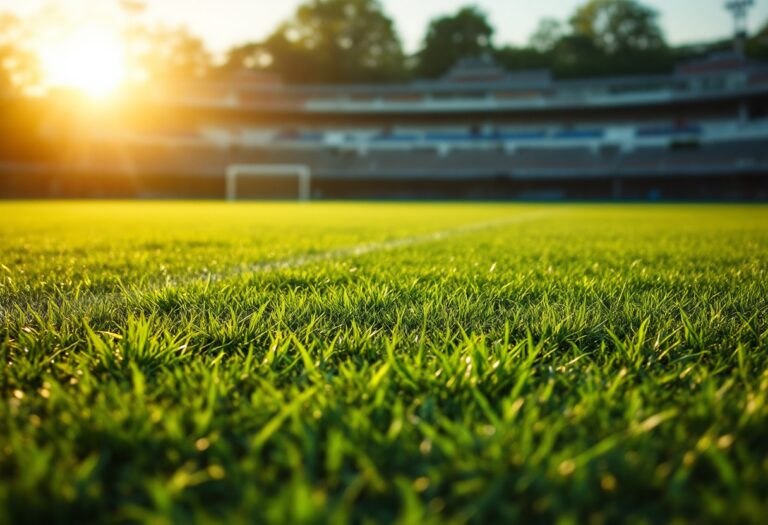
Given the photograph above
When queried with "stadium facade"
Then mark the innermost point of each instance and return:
(480, 132)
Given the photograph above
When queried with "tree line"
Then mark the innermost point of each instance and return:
(345, 41)
(352, 41)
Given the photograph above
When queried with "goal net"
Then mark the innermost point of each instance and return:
(299, 172)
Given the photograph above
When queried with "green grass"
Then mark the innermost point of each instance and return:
(200, 362)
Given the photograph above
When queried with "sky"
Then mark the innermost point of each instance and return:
(224, 23)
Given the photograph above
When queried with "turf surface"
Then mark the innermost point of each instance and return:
(196, 362)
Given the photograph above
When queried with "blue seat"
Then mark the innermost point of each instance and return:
(579, 134)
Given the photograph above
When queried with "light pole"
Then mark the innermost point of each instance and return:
(739, 10)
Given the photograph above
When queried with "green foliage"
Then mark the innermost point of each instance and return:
(337, 41)
(169, 54)
(548, 33)
(618, 26)
(199, 362)
(757, 45)
(249, 56)
(603, 38)
(354, 41)
(19, 68)
(466, 34)
(612, 37)
(522, 58)
(577, 56)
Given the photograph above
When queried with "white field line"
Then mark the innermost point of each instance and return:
(85, 302)
(364, 249)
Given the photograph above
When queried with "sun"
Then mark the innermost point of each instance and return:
(90, 59)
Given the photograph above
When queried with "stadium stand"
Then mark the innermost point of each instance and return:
(480, 132)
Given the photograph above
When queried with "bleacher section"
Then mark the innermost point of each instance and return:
(694, 133)
(626, 137)
(209, 159)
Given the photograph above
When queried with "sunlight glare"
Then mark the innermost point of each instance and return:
(90, 59)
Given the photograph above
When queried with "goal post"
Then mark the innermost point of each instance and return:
(300, 171)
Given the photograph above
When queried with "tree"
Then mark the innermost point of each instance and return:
(466, 34)
(522, 58)
(166, 55)
(547, 35)
(332, 41)
(19, 68)
(612, 37)
(757, 45)
(252, 55)
(618, 26)
(577, 56)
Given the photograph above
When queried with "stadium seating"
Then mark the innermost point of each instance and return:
(495, 126)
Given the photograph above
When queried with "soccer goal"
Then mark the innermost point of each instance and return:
(302, 173)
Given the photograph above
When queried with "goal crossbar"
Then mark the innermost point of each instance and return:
(303, 173)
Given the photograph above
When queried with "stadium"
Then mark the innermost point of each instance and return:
(478, 133)
(304, 262)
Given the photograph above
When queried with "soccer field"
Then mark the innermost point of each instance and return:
(360, 362)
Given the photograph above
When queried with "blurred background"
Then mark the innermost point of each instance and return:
(334, 99)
